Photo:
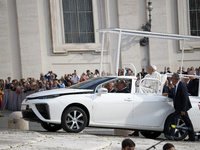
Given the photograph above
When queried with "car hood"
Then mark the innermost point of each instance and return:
(61, 91)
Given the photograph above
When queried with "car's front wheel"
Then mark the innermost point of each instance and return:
(151, 134)
(74, 119)
(179, 134)
(51, 127)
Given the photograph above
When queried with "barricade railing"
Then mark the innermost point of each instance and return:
(12, 100)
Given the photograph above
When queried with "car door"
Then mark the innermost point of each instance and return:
(151, 110)
(113, 108)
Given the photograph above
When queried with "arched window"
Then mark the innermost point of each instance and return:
(78, 21)
(195, 17)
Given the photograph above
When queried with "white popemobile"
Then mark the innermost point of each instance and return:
(89, 104)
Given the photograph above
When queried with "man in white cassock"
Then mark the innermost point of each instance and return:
(149, 86)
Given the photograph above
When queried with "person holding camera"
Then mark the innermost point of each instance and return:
(67, 80)
(61, 83)
(50, 75)
(83, 77)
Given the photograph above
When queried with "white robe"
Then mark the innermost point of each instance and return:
(149, 86)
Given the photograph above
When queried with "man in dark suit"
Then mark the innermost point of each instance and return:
(110, 87)
(181, 105)
(193, 84)
(121, 87)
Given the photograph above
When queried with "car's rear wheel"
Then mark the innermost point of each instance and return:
(151, 134)
(74, 119)
(51, 127)
(179, 133)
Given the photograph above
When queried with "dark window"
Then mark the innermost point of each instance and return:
(90, 84)
(78, 21)
(195, 17)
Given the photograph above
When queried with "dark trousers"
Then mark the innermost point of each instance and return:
(187, 121)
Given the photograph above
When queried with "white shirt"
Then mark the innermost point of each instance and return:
(96, 75)
(177, 86)
(75, 79)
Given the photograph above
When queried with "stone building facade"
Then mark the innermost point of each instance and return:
(32, 39)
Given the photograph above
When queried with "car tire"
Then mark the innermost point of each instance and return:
(151, 134)
(74, 120)
(51, 127)
(179, 134)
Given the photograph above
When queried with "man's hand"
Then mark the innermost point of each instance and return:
(164, 94)
(182, 113)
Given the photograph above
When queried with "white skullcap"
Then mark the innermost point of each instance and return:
(154, 67)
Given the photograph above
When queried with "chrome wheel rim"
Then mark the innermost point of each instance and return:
(178, 132)
(75, 120)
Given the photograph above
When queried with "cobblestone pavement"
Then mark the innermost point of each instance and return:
(90, 139)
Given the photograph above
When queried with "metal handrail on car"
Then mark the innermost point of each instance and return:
(135, 71)
(196, 76)
(157, 85)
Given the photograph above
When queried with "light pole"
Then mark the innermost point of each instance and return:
(147, 27)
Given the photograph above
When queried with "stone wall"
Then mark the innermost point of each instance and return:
(31, 37)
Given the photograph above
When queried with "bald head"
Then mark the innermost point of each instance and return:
(110, 86)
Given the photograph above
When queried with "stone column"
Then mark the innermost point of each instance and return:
(159, 48)
(29, 37)
(129, 18)
(5, 60)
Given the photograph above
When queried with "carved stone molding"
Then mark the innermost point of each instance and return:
(57, 27)
(67, 52)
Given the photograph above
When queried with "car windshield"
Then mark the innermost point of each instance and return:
(91, 83)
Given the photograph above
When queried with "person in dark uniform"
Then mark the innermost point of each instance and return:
(121, 87)
(193, 84)
(110, 87)
(181, 105)
(143, 73)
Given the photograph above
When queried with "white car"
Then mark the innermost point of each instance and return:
(89, 104)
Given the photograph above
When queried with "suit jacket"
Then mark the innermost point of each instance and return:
(181, 99)
(112, 91)
(125, 90)
(193, 87)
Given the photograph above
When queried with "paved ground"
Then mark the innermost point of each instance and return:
(90, 139)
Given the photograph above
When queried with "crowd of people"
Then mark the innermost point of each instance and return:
(45, 82)
(50, 81)
(12, 92)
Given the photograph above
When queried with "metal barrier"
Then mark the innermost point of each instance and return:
(12, 100)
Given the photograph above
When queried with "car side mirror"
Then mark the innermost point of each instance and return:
(102, 91)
